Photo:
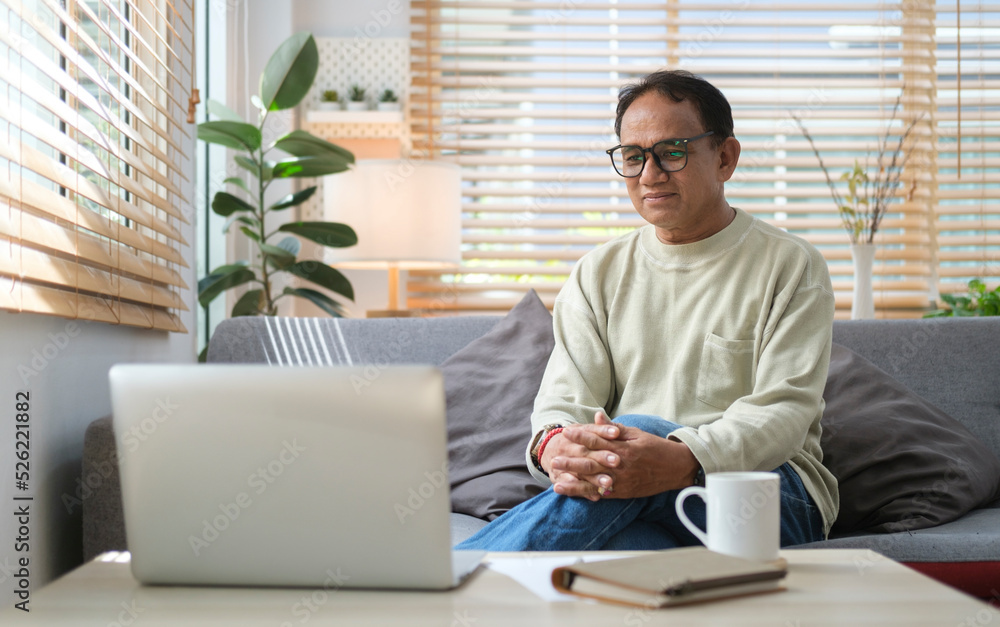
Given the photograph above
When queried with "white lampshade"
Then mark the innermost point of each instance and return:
(407, 214)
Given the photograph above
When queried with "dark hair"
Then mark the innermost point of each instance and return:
(680, 85)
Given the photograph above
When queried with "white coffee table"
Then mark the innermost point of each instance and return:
(841, 587)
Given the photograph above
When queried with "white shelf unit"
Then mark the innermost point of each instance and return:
(354, 117)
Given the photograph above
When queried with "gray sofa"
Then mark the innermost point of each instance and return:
(953, 363)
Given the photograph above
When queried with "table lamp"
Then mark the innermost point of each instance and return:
(407, 214)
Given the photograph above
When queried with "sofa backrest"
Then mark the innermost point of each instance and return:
(952, 362)
(344, 341)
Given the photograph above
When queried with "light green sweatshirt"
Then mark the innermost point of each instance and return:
(729, 336)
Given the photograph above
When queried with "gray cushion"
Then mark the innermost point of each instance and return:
(902, 463)
(491, 386)
(954, 363)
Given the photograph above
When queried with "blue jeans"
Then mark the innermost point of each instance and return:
(552, 522)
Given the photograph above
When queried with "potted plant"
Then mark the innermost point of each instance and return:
(977, 302)
(329, 100)
(865, 204)
(286, 80)
(356, 99)
(387, 101)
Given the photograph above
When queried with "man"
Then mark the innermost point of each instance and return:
(705, 335)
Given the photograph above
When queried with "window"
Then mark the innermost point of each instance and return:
(92, 112)
(522, 94)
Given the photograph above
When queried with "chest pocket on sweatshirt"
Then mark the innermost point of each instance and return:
(726, 371)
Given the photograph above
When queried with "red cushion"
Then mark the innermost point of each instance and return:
(980, 579)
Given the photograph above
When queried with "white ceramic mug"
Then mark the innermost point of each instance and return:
(744, 514)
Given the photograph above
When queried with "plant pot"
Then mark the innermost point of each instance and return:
(863, 305)
(388, 106)
(357, 106)
(329, 106)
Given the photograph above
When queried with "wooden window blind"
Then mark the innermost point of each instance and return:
(93, 111)
(967, 220)
(522, 95)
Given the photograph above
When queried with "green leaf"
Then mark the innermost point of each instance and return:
(332, 234)
(324, 276)
(305, 144)
(250, 304)
(319, 299)
(309, 166)
(279, 257)
(222, 112)
(289, 72)
(253, 223)
(238, 135)
(247, 164)
(291, 244)
(225, 204)
(977, 286)
(292, 200)
(252, 234)
(222, 279)
(238, 182)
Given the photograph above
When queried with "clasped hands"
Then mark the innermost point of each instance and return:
(609, 460)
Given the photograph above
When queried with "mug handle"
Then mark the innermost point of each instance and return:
(701, 493)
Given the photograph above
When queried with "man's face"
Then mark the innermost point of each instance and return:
(687, 205)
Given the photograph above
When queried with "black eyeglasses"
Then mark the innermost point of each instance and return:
(670, 155)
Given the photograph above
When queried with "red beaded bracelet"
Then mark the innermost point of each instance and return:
(548, 436)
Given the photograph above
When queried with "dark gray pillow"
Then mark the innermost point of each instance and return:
(491, 386)
(902, 463)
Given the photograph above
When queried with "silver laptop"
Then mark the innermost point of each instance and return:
(252, 475)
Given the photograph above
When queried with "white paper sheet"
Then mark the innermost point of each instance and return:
(535, 573)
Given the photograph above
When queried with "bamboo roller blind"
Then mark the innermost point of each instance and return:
(92, 119)
(522, 94)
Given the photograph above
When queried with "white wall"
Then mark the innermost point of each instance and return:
(63, 366)
(343, 18)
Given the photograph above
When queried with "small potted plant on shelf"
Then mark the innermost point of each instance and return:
(356, 99)
(329, 100)
(388, 101)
